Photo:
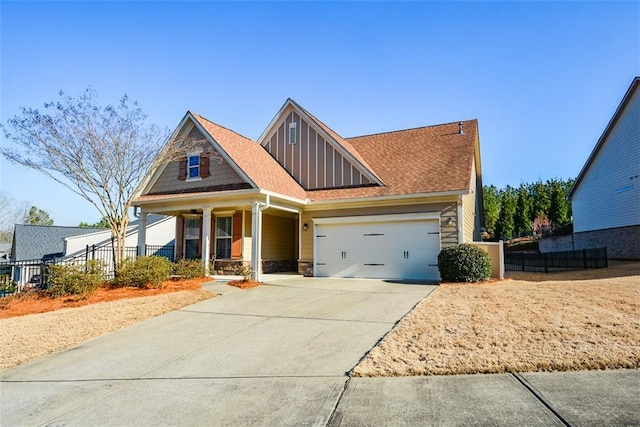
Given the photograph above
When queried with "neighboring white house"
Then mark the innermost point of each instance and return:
(160, 232)
(35, 243)
(606, 195)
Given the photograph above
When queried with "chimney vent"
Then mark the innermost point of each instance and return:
(460, 130)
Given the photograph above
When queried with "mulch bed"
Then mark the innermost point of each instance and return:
(244, 284)
(40, 302)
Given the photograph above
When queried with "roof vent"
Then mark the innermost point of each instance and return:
(460, 130)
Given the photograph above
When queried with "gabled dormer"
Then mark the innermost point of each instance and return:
(206, 167)
(313, 154)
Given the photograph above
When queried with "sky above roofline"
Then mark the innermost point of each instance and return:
(542, 78)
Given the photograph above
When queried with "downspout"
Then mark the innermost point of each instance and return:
(256, 237)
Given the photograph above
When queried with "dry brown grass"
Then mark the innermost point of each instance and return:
(64, 322)
(556, 322)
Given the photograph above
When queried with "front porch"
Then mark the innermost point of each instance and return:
(261, 235)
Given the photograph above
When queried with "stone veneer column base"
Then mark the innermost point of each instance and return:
(305, 268)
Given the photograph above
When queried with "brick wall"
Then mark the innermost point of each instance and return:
(621, 242)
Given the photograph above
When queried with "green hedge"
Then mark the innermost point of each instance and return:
(464, 263)
(75, 279)
(190, 268)
(143, 272)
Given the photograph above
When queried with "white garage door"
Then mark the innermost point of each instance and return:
(382, 247)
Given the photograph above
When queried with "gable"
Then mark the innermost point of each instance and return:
(221, 175)
(314, 158)
(608, 192)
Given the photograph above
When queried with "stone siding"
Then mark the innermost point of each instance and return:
(621, 242)
(232, 267)
(305, 268)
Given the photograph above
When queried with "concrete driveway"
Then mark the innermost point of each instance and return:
(272, 355)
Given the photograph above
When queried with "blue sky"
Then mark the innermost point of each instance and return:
(542, 78)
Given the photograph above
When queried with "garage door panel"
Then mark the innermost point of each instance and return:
(394, 250)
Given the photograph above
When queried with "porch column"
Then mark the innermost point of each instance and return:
(256, 240)
(142, 234)
(206, 238)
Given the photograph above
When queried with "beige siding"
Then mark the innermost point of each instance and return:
(447, 209)
(279, 238)
(469, 210)
(312, 160)
(448, 226)
(496, 253)
(221, 172)
(246, 241)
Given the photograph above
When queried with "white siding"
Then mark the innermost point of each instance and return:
(159, 233)
(609, 194)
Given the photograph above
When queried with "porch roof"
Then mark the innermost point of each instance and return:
(253, 160)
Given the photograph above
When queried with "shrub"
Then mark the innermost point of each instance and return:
(190, 268)
(464, 263)
(145, 271)
(246, 271)
(75, 279)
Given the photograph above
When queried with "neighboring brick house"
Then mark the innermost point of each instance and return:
(304, 198)
(606, 195)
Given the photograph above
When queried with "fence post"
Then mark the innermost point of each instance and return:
(86, 254)
(544, 263)
(584, 258)
(522, 260)
(93, 252)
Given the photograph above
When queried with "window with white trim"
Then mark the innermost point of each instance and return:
(292, 133)
(193, 166)
(223, 237)
(191, 238)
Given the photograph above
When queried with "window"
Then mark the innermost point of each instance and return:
(193, 167)
(292, 133)
(191, 238)
(223, 237)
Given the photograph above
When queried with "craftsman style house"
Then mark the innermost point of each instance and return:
(303, 198)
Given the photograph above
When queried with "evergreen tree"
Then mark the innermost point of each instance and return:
(103, 223)
(491, 201)
(522, 221)
(505, 225)
(540, 200)
(37, 216)
(558, 205)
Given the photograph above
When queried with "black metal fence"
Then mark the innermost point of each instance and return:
(16, 276)
(556, 261)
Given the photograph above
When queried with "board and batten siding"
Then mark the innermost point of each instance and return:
(312, 161)
(609, 194)
(221, 173)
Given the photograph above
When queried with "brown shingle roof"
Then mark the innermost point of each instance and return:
(253, 159)
(431, 159)
(422, 160)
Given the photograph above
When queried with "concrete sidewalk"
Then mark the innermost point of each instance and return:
(278, 355)
(586, 398)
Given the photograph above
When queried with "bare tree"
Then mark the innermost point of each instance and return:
(101, 153)
(12, 212)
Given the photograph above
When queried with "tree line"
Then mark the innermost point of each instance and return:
(532, 209)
